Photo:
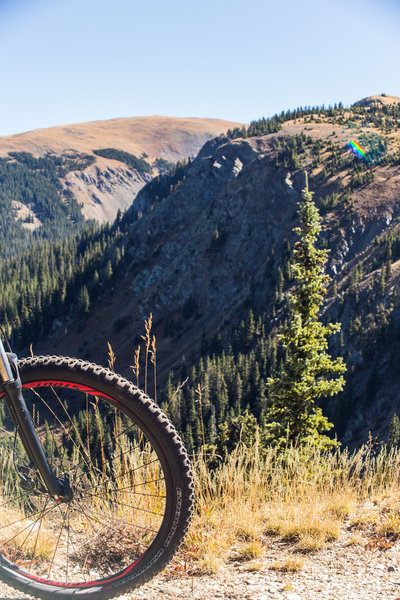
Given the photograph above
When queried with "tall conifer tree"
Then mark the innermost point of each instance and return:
(308, 372)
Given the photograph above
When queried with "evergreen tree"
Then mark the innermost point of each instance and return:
(393, 440)
(308, 372)
(84, 300)
(240, 429)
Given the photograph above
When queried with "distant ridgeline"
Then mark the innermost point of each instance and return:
(386, 118)
(33, 203)
(273, 124)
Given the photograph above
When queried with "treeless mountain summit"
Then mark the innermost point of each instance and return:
(166, 137)
(378, 100)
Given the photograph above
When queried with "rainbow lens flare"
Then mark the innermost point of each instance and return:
(356, 148)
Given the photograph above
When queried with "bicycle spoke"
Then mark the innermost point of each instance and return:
(119, 503)
(130, 491)
(22, 519)
(24, 529)
(58, 420)
(38, 531)
(12, 500)
(131, 486)
(150, 481)
(99, 529)
(74, 539)
(116, 520)
(37, 538)
(58, 540)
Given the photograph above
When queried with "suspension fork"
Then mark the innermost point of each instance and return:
(22, 419)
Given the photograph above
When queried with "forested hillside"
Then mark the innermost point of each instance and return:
(34, 206)
(207, 250)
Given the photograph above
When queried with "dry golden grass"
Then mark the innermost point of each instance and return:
(23, 548)
(303, 496)
(251, 551)
(389, 526)
(356, 539)
(291, 564)
(298, 519)
(254, 566)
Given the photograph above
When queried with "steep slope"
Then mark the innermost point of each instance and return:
(199, 251)
(190, 249)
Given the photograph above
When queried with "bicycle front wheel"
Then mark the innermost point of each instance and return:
(129, 476)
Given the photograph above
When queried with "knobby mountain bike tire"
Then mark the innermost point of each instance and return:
(128, 472)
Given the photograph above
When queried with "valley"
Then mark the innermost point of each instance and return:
(206, 250)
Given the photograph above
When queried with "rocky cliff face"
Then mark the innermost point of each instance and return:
(105, 187)
(206, 247)
(209, 228)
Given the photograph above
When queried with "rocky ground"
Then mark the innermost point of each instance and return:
(343, 570)
(338, 572)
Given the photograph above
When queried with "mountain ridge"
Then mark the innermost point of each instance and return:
(107, 185)
(157, 136)
(378, 99)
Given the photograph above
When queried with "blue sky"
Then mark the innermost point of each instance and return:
(68, 61)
